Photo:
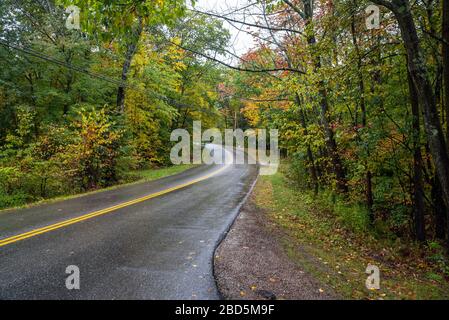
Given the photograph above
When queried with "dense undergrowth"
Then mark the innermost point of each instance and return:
(333, 240)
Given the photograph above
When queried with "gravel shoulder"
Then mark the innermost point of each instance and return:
(251, 263)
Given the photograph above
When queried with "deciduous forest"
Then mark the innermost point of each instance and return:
(362, 113)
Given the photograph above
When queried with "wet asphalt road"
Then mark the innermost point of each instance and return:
(158, 249)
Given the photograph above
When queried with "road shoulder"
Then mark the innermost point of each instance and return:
(251, 262)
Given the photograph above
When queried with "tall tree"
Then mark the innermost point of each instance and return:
(339, 170)
(445, 29)
(123, 23)
(418, 188)
(362, 104)
(420, 77)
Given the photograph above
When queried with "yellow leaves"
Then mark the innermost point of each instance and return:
(179, 66)
(140, 61)
(176, 54)
(252, 113)
(144, 57)
(176, 41)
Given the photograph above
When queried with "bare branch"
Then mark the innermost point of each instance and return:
(254, 25)
(262, 70)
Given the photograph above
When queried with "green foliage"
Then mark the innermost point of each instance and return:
(297, 170)
(111, 19)
(353, 216)
(59, 130)
(91, 159)
(437, 255)
(346, 117)
(338, 255)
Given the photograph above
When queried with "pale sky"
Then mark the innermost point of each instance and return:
(241, 42)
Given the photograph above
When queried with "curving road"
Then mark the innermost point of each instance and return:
(159, 246)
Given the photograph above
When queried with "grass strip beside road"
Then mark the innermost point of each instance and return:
(139, 176)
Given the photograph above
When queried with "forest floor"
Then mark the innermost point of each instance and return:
(137, 176)
(286, 245)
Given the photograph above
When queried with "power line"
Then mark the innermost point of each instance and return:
(70, 66)
(63, 64)
(168, 100)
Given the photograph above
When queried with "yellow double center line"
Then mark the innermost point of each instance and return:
(91, 215)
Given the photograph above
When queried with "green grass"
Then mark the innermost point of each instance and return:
(138, 176)
(154, 174)
(332, 242)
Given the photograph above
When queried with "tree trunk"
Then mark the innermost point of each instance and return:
(419, 74)
(235, 119)
(368, 174)
(446, 63)
(312, 168)
(418, 188)
(130, 52)
(439, 210)
(331, 144)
